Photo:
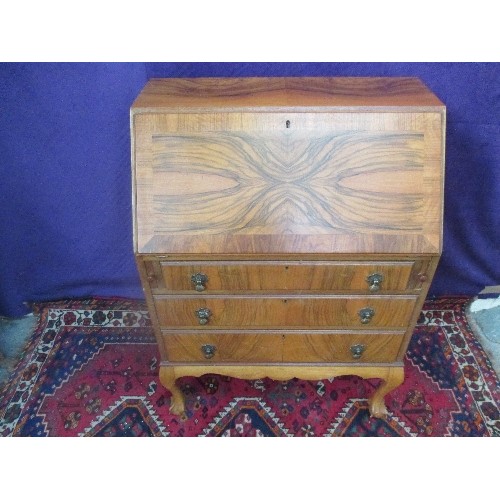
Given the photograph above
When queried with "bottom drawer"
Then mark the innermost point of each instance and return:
(282, 348)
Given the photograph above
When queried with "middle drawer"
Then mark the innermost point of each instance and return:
(309, 312)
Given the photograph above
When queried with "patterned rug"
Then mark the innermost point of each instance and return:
(90, 369)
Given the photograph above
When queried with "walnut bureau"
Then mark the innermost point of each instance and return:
(286, 227)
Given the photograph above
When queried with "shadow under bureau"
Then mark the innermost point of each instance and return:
(286, 227)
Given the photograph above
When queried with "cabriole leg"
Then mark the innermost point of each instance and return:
(393, 379)
(167, 379)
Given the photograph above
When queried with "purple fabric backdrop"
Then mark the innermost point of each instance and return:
(65, 195)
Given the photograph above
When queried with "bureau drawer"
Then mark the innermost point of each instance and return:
(284, 312)
(287, 348)
(318, 276)
(222, 347)
(341, 348)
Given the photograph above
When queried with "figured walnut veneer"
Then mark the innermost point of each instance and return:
(309, 208)
(242, 179)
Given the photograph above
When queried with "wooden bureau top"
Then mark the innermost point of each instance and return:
(273, 166)
(186, 95)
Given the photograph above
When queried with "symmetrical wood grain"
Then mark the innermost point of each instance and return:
(288, 183)
(335, 183)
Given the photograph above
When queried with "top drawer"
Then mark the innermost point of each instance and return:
(208, 277)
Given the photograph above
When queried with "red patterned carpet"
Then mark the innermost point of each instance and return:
(90, 369)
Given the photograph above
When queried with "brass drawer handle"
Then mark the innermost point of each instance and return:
(357, 350)
(203, 315)
(374, 282)
(366, 314)
(200, 281)
(208, 350)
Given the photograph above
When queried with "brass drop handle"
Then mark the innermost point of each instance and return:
(200, 281)
(203, 315)
(374, 282)
(208, 350)
(366, 314)
(357, 350)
